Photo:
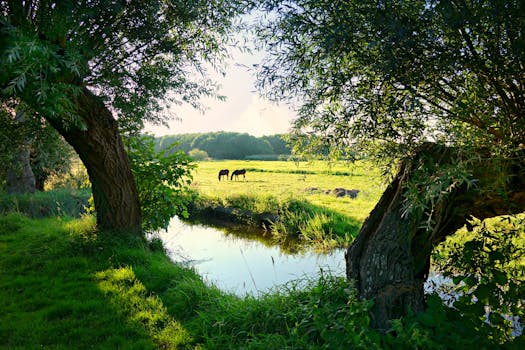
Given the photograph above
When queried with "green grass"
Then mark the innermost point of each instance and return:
(63, 285)
(57, 202)
(285, 188)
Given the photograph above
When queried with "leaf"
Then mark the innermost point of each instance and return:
(500, 278)
(482, 293)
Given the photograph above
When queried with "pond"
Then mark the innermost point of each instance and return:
(244, 264)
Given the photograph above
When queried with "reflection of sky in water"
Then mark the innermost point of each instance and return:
(245, 266)
(241, 265)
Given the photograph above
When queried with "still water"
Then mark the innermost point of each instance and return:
(246, 264)
(243, 265)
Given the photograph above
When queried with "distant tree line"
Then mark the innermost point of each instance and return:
(227, 145)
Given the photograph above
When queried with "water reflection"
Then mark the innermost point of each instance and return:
(243, 265)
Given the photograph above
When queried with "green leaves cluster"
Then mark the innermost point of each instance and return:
(393, 74)
(488, 271)
(162, 180)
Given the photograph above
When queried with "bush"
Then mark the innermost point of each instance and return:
(162, 180)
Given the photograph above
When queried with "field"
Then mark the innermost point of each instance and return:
(297, 192)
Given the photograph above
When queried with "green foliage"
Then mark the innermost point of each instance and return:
(488, 270)
(59, 202)
(227, 145)
(50, 154)
(197, 154)
(162, 179)
(394, 74)
(132, 53)
(304, 314)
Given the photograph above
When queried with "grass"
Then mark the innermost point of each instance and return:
(64, 285)
(295, 192)
(58, 202)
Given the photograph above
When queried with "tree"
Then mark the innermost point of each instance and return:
(71, 61)
(30, 146)
(438, 85)
(19, 174)
(198, 154)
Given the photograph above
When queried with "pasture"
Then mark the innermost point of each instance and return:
(298, 189)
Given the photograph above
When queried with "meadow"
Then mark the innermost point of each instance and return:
(66, 285)
(295, 191)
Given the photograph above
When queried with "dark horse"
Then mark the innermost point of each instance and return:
(236, 173)
(223, 172)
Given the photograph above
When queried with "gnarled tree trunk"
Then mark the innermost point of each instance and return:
(390, 259)
(20, 177)
(101, 150)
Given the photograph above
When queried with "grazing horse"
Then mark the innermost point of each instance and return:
(223, 172)
(236, 173)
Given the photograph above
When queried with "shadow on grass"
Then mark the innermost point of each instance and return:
(293, 224)
(64, 287)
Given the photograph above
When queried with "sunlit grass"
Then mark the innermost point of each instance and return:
(278, 179)
(296, 192)
(59, 290)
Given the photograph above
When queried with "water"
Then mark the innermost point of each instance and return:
(245, 265)
(242, 265)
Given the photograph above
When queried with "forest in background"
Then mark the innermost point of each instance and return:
(226, 145)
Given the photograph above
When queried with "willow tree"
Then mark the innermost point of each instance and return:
(82, 64)
(438, 85)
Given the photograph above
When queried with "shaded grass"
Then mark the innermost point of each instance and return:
(58, 202)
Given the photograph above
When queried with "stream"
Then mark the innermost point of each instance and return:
(245, 263)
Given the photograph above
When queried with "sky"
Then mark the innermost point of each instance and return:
(244, 110)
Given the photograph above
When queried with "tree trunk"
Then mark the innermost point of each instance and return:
(20, 177)
(390, 259)
(101, 150)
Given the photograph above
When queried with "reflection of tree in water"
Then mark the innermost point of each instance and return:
(234, 231)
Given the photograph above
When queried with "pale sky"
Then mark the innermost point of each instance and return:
(243, 110)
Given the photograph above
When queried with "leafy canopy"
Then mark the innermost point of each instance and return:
(134, 53)
(396, 73)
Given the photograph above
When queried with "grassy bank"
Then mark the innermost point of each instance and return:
(296, 193)
(63, 285)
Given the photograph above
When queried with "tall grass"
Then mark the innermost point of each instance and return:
(58, 202)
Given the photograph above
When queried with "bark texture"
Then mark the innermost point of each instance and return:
(390, 259)
(101, 150)
(20, 177)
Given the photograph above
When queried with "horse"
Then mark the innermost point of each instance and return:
(223, 172)
(236, 173)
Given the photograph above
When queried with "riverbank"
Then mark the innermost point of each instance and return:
(319, 205)
(66, 286)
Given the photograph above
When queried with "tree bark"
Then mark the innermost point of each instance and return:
(19, 176)
(390, 259)
(101, 150)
